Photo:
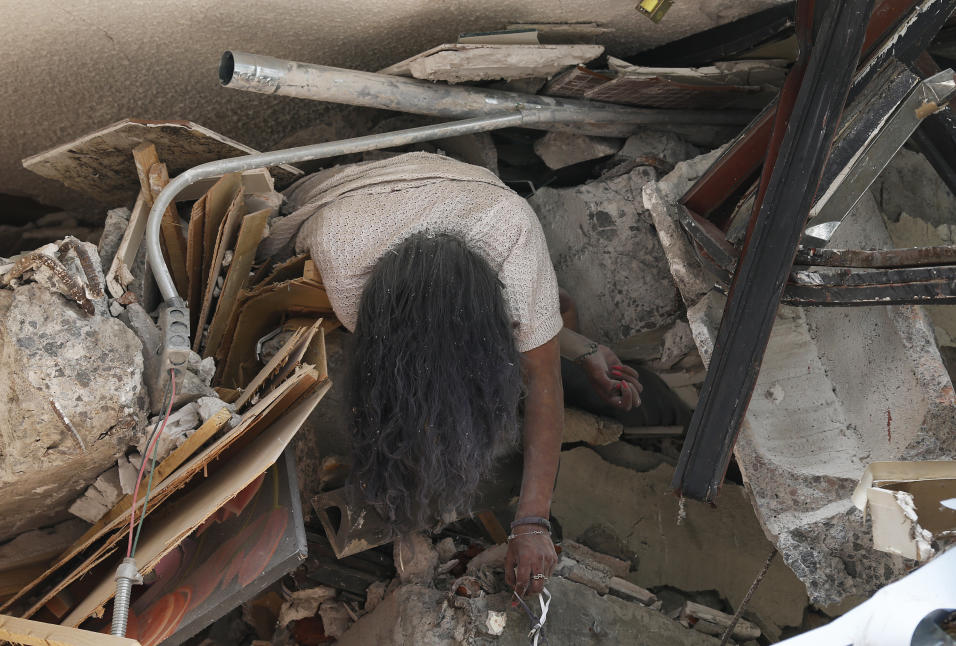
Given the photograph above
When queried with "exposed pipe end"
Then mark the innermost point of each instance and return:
(227, 66)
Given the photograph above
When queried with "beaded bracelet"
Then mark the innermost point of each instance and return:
(592, 349)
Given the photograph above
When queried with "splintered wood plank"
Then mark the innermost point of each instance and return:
(250, 234)
(121, 509)
(233, 476)
(194, 249)
(97, 164)
(224, 239)
(217, 201)
(256, 419)
(260, 311)
(38, 633)
(120, 275)
(255, 181)
(171, 230)
(301, 338)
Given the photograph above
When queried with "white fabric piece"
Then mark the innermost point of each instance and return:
(350, 218)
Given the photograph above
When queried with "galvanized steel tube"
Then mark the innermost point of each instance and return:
(268, 75)
(307, 153)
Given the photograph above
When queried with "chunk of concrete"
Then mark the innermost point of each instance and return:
(304, 603)
(113, 229)
(128, 473)
(420, 615)
(838, 388)
(178, 428)
(615, 566)
(655, 144)
(581, 426)
(335, 618)
(493, 62)
(630, 592)
(91, 368)
(415, 558)
(108, 483)
(40, 544)
(560, 149)
(607, 255)
(710, 550)
(661, 200)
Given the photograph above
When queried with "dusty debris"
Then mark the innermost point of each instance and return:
(89, 366)
(713, 622)
(709, 550)
(588, 229)
(415, 558)
(456, 63)
(560, 149)
(836, 392)
(98, 164)
(580, 426)
(304, 603)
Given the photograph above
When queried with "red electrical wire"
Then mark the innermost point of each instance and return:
(146, 457)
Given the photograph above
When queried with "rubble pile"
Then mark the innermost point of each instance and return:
(649, 229)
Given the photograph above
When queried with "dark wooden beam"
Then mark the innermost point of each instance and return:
(768, 255)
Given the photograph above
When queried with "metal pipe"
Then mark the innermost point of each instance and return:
(268, 75)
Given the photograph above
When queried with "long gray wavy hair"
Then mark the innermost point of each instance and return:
(435, 381)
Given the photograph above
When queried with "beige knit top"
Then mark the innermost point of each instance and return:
(347, 218)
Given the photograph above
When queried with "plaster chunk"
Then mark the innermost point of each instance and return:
(607, 255)
(91, 368)
(560, 149)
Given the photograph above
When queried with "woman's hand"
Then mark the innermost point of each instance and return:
(614, 382)
(530, 560)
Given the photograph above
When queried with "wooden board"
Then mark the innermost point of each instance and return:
(37, 633)
(260, 312)
(301, 338)
(194, 250)
(224, 242)
(120, 274)
(120, 511)
(257, 418)
(243, 467)
(171, 230)
(217, 201)
(97, 164)
(250, 234)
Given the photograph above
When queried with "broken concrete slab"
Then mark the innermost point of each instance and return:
(661, 200)
(421, 615)
(657, 144)
(113, 229)
(459, 63)
(838, 388)
(581, 426)
(73, 387)
(560, 149)
(606, 253)
(415, 558)
(711, 549)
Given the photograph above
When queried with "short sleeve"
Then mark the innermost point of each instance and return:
(530, 286)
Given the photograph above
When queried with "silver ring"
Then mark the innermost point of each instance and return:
(538, 577)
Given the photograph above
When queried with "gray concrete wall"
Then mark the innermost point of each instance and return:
(70, 67)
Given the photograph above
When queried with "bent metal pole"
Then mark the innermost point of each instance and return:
(267, 75)
(319, 151)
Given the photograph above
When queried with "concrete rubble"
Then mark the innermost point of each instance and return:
(589, 228)
(838, 388)
(82, 392)
(72, 386)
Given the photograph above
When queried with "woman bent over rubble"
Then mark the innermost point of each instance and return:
(443, 274)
